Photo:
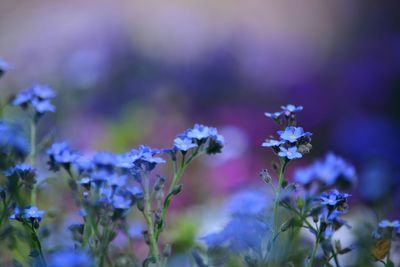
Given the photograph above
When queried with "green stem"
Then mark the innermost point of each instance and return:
(314, 251)
(178, 172)
(153, 246)
(277, 194)
(335, 258)
(32, 157)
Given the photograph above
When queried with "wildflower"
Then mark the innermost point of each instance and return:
(334, 199)
(330, 170)
(23, 171)
(116, 180)
(60, 154)
(120, 202)
(273, 115)
(290, 153)
(272, 143)
(70, 258)
(198, 132)
(389, 224)
(38, 96)
(292, 134)
(184, 144)
(105, 160)
(12, 140)
(33, 213)
(290, 109)
(16, 215)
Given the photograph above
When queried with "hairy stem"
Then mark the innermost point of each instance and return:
(277, 194)
(153, 246)
(32, 157)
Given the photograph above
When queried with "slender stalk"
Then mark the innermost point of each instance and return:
(314, 251)
(178, 172)
(32, 157)
(335, 258)
(277, 194)
(153, 246)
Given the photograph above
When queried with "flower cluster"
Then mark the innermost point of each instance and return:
(334, 205)
(38, 97)
(293, 141)
(30, 213)
(12, 140)
(331, 170)
(24, 172)
(200, 136)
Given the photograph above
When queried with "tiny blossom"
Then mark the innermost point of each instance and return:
(117, 180)
(292, 134)
(60, 154)
(330, 170)
(389, 224)
(33, 213)
(272, 143)
(12, 140)
(273, 115)
(120, 202)
(38, 96)
(105, 159)
(333, 198)
(199, 132)
(288, 109)
(184, 144)
(70, 258)
(23, 171)
(290, 153)
(16, 214)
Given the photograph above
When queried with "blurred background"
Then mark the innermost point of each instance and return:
(133, 72)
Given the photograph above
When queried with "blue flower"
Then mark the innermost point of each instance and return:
(32, 213)
(389, 224)
(198, 132)
(184, 144)
(60, 154)
(38, 96)
(43, 106)
(23, 171)
(330, 170)
(292, 134)
(16, 215)
(272, 143)
(290, 109)
(334, 198)
(116, 180)
(273, 115)
(12, 140)
(290, 153)
(120, 202)
(70, 258)
(105, 160)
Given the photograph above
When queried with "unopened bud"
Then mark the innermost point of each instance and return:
(265, 176)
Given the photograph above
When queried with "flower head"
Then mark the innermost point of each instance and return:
(184, 143)
(33, 213)
(334, 199)
(60, 154)
(330, 170)
(70, 258)
(272, 143)
(389, 224)
(290, 109)
(38, 96)
(273, 115)
(23, 171)
(290, 153)
(292, 134)
(12, 140)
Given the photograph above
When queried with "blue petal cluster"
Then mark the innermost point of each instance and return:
(38, 96)
(61, 155)
(293, 141)
(12, 140)
(200, 137)
(329, 171)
